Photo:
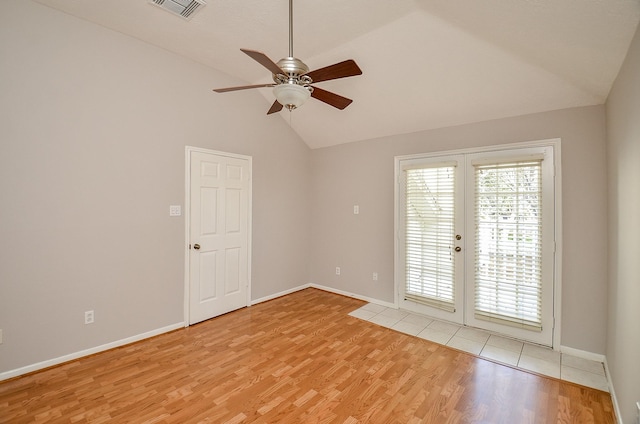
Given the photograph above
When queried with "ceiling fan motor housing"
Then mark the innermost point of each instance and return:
(292, 66)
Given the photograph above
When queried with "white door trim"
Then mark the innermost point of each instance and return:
(555, 143)
(187, 220)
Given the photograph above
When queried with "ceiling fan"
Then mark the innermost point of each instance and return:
(292, 79)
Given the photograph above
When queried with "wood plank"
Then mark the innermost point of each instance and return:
(296, 359)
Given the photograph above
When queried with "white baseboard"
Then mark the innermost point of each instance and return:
(612, 392)
(70, 357)
(353, 295)
(280, 294)
(582, 354)
(66, 358)
(599, 358)
(76, 355)
(325, 288)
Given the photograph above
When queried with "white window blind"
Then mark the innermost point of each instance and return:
(508, 253)
(429, 235)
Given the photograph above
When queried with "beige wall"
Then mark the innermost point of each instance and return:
(93, 127)
(363, 173)
(623, 152)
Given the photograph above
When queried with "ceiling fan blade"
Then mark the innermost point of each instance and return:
(330, 98)
(241, 87)
(264, 60)
(275, 107)
(348, 68)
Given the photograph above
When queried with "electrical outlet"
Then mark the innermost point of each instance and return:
(89, 317)
(337, 270)
(375, 276)
(356, 209)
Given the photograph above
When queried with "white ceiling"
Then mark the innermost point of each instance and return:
(426, 63)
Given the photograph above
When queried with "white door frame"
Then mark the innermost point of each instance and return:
(187, 221)
(555, 144)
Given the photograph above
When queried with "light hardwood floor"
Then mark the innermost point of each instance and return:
(296, 359)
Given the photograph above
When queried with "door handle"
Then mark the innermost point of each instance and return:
(196, 246)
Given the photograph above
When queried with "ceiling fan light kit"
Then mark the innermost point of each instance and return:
(292, 79)
(291, 96)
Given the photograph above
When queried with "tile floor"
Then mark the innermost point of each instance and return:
(486, 345)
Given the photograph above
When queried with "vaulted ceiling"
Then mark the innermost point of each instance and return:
(426, 63)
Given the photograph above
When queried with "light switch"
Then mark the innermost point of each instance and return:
(175, 210)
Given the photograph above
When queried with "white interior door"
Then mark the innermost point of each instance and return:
(219, 234)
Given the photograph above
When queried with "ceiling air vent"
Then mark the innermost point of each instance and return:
(184, 8)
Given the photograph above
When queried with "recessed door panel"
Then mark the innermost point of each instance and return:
(207, 286)
(234, 173)
(233, 213)
(208, 213)
(232, 268)
(209, 169)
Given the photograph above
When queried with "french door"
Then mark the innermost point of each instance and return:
(476, 239)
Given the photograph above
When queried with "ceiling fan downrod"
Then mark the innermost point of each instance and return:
(290, 28)
(295, 68)
(294, 88)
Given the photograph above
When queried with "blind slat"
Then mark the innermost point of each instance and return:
(429, 236)
(508, 242)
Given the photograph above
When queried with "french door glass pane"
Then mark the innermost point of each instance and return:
(429, 236)
(508, 239)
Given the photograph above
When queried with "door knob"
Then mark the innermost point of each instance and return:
(196, 246)
(458, 248)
